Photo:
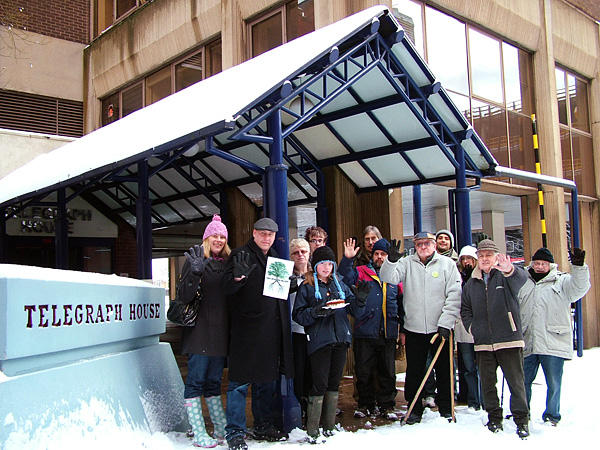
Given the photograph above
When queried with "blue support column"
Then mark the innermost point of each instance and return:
(276, 207)
(143, 225)
(575, 243)
(61, 230)
(463, 207)
(417, 209)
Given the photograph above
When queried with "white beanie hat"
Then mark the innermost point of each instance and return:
(468, 250)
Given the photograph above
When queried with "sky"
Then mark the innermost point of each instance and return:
(93, 427)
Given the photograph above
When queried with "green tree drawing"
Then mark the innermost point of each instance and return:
(279, 272)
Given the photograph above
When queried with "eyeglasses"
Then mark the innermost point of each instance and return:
(317, 241)
(300, 252)
(423, 244)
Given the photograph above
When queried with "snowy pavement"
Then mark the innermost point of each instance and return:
(580, 397)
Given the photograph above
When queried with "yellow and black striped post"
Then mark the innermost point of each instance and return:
(538, 170)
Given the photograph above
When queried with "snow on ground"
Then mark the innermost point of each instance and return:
(579, 425)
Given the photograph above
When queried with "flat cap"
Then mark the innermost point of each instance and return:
(266, 224)
(424, 235)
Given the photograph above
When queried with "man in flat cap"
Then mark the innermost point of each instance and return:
(490, 312)
(432, 288)
(260, 338)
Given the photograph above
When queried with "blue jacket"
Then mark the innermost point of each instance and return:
(378, 314)
(335, 328)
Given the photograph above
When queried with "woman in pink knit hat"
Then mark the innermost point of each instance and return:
(207, 341)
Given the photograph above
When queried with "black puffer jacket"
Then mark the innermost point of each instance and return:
(491, 314)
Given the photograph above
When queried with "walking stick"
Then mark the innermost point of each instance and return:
(435, 357)
(451, 345)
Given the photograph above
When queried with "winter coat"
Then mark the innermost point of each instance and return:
(260, 345)
(335, 328)
(210, 335)
(491, 314)
(296, 327)
(431, 292)
(383, 310)
(546, 310)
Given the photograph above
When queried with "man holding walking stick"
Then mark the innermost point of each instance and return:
(490, 311)
(432, 289)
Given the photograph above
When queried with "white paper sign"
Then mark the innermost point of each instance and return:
(277, 277)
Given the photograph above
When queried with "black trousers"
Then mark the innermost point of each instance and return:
(327, 367)
(417, 347)
(302, 377)
(375, 357)
(510, 360)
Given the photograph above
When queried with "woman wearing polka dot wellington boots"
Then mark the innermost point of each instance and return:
(207, 341)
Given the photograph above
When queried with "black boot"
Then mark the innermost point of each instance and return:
(522, 430)
(329, 411)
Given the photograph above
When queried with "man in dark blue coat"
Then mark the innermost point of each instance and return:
(375, 332)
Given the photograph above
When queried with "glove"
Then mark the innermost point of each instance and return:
(361, 292)
(467, 270)
(293, 284)
(241, 265)
(394, 251)
(444, 332)
(577, 257)
(319, 311)
(197, 259)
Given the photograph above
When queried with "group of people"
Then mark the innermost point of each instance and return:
(392, 298)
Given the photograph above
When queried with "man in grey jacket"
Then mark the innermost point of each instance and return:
(432, 287)
(545, 302)
(490, 312)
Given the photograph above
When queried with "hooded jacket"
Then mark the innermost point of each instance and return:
(431, 291)
(383, 310)
(546, 310)
(491, 313)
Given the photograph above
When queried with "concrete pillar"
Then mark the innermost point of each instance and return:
(492, 222)
(442, 218)
(549, 138)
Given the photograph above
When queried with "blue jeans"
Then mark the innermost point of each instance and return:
(204, 376)
(467, 353)
(262, 402)
(553, 370)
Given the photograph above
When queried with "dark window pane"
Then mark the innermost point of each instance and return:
(132, 100)
(267, 34)
(490, 123)
(522, 155)
(447, 50)
(565, 146)
(188, 72)
(486, 69)
(583, 164)
(110, 109)
(214, 58)
(300, 18)
(518, 80)
(123, 6)
(578, 103)
(561, 93)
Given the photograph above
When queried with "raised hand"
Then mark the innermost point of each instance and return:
(394, 253)
(350, 249)
(197, 259)
(577, 257)
(361, 292)
(241, 265)
(503, 263)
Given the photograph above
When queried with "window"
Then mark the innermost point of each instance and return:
(107, 12)
(575, 139)
(162, 83)
(488, 79)
(282, 25)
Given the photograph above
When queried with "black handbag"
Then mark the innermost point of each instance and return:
(185, 313)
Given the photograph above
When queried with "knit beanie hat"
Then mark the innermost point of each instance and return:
(543, 254)
(215, 227)
(382, 244)
(447, 233)
(325, 254)
(487, 244)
